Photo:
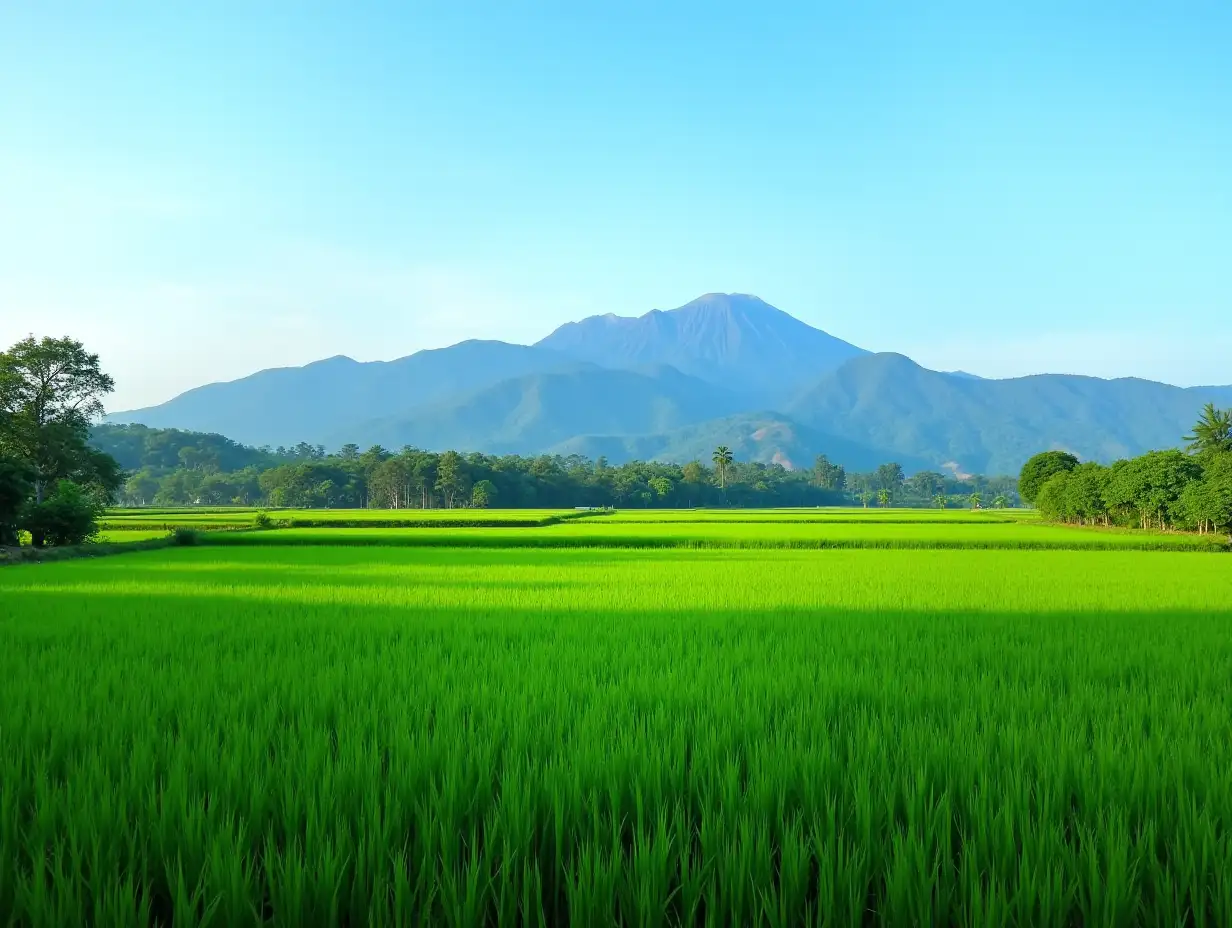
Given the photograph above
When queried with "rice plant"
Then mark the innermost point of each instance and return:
(348, 735)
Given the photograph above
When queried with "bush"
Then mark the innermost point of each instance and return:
(263, 520)
(67, 517)
(184, 537)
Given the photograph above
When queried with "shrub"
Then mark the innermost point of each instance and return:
(67, 517)
(263, 520)
(184, 537)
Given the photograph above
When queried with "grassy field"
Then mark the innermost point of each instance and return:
(127, 535)
(470, 736)
(142, 519)
(608, 534)
(826, 514)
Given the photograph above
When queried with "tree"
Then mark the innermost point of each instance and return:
(483, 494)
(828, 476)
(883, 497)
(1213, 431)
(941, 500)
(50, 392)
(662, 487)
(1083, 499)
(1038, 469)
(69, 516)
(889, 477)
(450, 478)
(925, 484)
(1151, 486)
(349, 452)
(140, 488)
(15, 488)
(722, 459)
(1000, 501)
(976, 500)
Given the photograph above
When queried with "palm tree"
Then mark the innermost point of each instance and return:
(1000, 502)
(722, 458)
(1213, 431)
(883, 497)
(976, 500)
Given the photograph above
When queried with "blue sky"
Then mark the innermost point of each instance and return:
(202, 191)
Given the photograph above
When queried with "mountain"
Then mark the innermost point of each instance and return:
(767, 437)
(672, 384)
(733, 340)
(992, 426)
(528, 415)
(286, 405)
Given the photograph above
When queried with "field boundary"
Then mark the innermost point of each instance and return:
(13, 557)
(272, 539)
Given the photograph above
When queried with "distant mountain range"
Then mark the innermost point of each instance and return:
(671, 385)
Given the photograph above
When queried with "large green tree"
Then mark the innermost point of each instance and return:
(1038, 469)
(50, 391)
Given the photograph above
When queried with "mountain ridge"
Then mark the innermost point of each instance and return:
(662, 382)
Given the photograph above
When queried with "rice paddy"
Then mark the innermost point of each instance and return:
(477, 726)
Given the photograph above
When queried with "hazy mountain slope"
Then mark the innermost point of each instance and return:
(310, 403)
(528, 415)
(733, 340)
(993, 426)
(764, 436)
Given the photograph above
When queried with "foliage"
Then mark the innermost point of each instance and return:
(483, 494)
(15, 489)
(69, 516)
(185, 537)
(1039, 468)
(722, 459)
(1161, 489)
(1213, 431)
(50, 391)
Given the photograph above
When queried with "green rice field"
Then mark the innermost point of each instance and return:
(207, 519)
(730, 724)
(604, 534)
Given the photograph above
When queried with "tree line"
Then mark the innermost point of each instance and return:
(168, 467)
(60, 469)
(1189, 490)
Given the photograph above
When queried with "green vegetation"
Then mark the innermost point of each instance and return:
(1161, 490)
(380, 736)
(171, 468)
(604, 534)
(53, 484)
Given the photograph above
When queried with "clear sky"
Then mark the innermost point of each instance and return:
(201, 190)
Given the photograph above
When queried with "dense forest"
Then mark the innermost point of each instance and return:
(1173, 489)
(168, 467)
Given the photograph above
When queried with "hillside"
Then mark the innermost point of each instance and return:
(766, 437)
(528, 415)
(291, 404)
(992, 426)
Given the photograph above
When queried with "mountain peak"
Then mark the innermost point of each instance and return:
(733, 340)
